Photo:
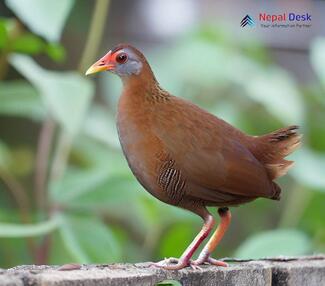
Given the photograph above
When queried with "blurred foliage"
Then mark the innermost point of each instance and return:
(272, 243)
(70, 197)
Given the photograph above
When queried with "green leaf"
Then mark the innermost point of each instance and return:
(111, 192)
(14, 252)
(151, 209)
(88, 240)
(3, 33)
(71, 243)
(66, 94)
(97, 155)
(56, 52)
(288, 242)
(276, 90)
(317, 57)
(100, 125)
(100, 186)
(19, 98)
(169, 283)
(59, 254)
(45, 18)
(309, 168)
(312, 220)
(228, 68)
(22, 163)
(5, 156)
(176, 239)
(27, 230)
(175, 71)
(77, 182)
(28, 44)
(112, 88)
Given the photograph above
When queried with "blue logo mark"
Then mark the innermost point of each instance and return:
(247, 20)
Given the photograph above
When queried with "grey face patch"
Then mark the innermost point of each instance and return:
(132, 66)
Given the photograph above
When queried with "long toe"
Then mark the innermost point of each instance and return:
(166, 261)
(172, 264)
(216, 262)
(209, 260)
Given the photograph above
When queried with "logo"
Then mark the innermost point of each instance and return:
(284, 17)
(280, 20)
(247, 20)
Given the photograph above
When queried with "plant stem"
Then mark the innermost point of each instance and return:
(92, 43)
(60, 157)
(132, 230)
(95, 34)
(19, 194)
(42, 158)
(43, 252)
(64, 142)
(56, 172)
(23, 203)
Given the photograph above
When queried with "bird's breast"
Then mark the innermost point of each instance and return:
(141, 148)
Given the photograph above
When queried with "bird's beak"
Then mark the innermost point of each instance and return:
(101, 65)
(95, 69)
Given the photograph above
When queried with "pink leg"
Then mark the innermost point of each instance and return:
(184, 260)
(214, 240)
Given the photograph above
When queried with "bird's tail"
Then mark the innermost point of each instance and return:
(272, 148)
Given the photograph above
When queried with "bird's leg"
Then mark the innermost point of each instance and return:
(184, 260)
(204, 256)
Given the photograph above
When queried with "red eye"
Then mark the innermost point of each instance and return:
(121, 58)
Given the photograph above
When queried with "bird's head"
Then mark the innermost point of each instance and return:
(124, 60)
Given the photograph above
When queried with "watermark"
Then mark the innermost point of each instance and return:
(247, 20)
(281, 20)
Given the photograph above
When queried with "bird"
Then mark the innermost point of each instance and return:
(187, 157)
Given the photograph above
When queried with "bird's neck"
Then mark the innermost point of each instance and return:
(145, 78)
(143, 88)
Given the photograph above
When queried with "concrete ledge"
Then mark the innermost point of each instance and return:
(308, 270)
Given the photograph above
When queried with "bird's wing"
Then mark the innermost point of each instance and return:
(209, 154)
(231, 169)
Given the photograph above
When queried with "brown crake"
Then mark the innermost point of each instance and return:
(189, 158)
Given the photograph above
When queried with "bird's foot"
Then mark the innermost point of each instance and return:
(174, 264)
(209, 260)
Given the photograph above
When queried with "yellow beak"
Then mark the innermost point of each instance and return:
(96, 68)
(103, 64)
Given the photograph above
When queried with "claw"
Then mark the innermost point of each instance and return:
(195, 267)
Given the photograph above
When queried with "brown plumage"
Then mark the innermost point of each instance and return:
(187, 157)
